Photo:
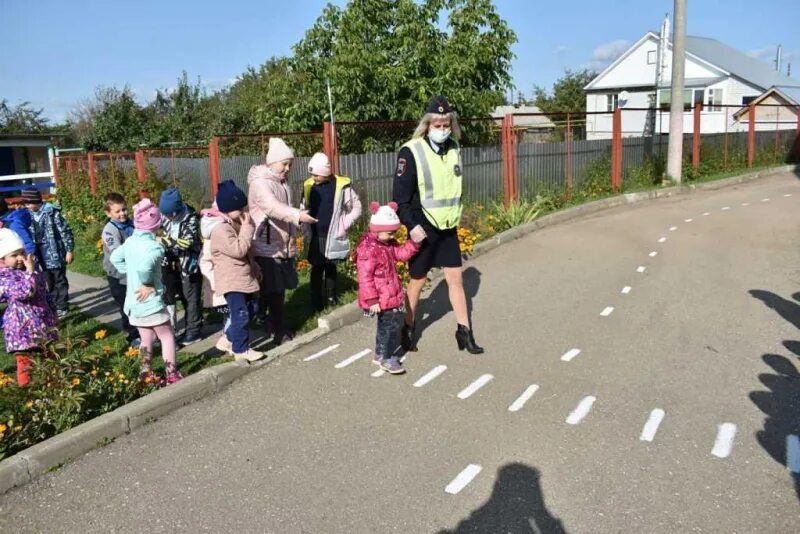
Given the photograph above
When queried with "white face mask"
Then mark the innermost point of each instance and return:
(439, 136)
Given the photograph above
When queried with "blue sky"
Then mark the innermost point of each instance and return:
(54, 53)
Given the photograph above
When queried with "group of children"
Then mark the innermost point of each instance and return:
(243, 247)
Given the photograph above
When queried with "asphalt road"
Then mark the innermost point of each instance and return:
(674, 416)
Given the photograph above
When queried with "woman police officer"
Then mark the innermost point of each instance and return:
(427, 190)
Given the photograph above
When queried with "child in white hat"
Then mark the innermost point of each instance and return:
(333, 202)
(29, 320)
(380, 290)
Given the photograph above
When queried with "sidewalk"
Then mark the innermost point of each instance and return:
(92, 296)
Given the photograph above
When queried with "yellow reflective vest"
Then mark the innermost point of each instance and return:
(439, 182)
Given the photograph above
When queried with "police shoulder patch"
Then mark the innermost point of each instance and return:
(401, 166)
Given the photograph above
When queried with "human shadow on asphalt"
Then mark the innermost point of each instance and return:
(516, 505)
(781, 401)
(437, 304)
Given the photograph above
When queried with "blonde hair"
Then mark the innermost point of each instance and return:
(425, 123)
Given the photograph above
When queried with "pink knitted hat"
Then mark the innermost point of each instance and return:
(146, 215)
(384, 218)
(319, 165)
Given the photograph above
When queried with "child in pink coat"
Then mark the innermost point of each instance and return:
(380, 290)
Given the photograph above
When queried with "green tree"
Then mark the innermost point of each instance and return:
(119, 122)
(22, 118)
(179, 115)
(567, 95)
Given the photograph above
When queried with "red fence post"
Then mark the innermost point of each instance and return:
(616, 150)
(751, 136)
(698, 107)
(796, 150)
(213, 165)
(141, 174)
(508, 142)
(568, 143)
(92, 175)
(54, 168)
(330, 145)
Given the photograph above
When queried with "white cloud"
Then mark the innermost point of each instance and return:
(608, 52)
(560, 49)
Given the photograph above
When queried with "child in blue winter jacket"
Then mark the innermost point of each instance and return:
(20, 222)
(54, 246)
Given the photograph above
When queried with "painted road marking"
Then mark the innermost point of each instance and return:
(641, 269)
(764, 200)
(688, 220)
(569, 355)
(745, 203)
(463, 478)
(726, 208)
(651, 426)
(522, 399)
(626, 290)
(323, 352)
(351, 359)
(787, 195)
(653, 254)
(662, 239)
(793, 453)
(581, 411)
(673, 228)
(724, 442)
(377, 374)
(430, 375)
(607, 311)
(475, 386)
(706, 214)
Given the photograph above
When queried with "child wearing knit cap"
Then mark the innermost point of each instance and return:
(274, 245)
(29, 321)
(233, 274)
(139, 257)
(54, 245)
(380, 290)
(334, 203)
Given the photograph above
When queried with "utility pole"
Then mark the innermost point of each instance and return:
(675, 150)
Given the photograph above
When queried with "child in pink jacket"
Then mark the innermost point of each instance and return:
(380, 290)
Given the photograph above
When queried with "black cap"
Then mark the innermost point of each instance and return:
(439, 104)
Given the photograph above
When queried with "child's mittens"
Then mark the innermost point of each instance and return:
(417, 234)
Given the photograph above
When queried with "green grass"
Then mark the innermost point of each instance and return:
(87, 261)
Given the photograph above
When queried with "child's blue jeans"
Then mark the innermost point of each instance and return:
(390, 325)
(239, 316)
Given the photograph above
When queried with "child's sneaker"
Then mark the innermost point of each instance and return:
(377, 360)
(173, 377)
(249, 355)
(224, 344)
(393, 366)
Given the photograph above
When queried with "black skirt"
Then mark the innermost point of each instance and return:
(440, 249)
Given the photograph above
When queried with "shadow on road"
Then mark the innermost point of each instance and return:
(516, 505)
(437, 304)
(781, 401)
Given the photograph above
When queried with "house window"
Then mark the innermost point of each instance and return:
(691, 96)
(651, 57)
(611, 102)
(714, 100)
(746, 100)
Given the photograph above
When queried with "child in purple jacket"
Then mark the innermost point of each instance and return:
(29, 321)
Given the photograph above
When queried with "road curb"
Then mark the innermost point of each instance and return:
(31, 463)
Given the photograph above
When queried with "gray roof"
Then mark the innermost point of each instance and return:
(531, 121)
(738, 64)
(791, 92)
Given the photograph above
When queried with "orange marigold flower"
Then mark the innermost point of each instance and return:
(76, 381)
(100, 334)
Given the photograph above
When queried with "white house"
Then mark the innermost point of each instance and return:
(715, 74)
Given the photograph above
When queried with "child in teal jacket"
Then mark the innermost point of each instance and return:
(139, 258)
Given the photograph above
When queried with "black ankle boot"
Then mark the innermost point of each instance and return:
(466, 340)
(408, 339)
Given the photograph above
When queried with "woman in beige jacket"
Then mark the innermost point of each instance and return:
(276, 222)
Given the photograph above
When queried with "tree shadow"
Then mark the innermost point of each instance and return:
(437, 304)
(781, 401)
(516, 505)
